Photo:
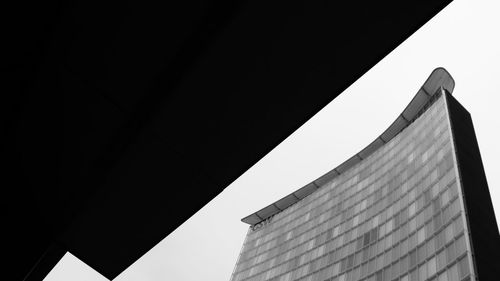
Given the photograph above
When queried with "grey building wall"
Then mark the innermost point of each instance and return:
(397, 215)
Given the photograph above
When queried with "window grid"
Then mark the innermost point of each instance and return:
(421, 210)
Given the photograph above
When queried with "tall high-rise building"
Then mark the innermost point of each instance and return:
(413, 205)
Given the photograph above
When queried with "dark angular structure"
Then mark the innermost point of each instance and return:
(115, 111)
(411, 206)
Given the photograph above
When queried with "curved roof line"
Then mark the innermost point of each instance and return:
(439, 78)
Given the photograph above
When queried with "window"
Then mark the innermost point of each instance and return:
(441, 260)
(450, 253)
(460, 245)
(458, 225)
(421, 253)
(422, 273)
(430, 246)
(431, 266)
(449, 233)
(412, 209)
(443, 276)
(413, 258)
(453, 272)
(464, 267)
(421, 236)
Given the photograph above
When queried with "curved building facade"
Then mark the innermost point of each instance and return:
(395, 211)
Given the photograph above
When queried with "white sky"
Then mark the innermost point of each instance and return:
(463, 38)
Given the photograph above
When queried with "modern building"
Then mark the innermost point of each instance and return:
(413, 205)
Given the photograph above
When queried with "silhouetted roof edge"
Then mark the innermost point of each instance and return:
(438, 78)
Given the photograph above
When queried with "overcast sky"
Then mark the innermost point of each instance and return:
(463, 38)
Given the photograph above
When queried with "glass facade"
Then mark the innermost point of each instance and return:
(396, 215)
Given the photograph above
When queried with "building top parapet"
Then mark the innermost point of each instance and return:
(439, 79)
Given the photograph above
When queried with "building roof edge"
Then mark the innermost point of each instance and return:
(439, 78)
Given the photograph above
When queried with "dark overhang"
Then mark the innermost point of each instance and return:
(116, 111)
(439, 78)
